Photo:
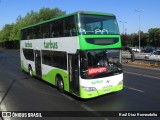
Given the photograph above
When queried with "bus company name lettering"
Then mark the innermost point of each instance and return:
(51, 45)
(28, 44)
(97, 82)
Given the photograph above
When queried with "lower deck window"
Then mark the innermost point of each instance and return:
(55, 58)
(29, 54)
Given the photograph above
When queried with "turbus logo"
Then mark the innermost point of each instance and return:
(97, 82)
(28, 44)
(51, 45)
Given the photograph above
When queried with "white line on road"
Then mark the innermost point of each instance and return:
(84, 106)
(134, 89)
(149, 76)
(92, 111)
(68, 97)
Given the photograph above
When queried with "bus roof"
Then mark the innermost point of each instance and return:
(60, 17)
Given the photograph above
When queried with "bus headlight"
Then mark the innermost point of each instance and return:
(89, 89)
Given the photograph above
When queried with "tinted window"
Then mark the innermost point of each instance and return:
(97, 24)
(57, 28)
(102, 41)
(28, 54)
(59, 59)
(45, 30)
(46, 57)
(24, 34)
(100, 63)
(55, 59)
(70, 29)
(36, 32)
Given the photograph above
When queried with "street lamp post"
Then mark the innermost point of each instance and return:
(139, 11)
(123, 25)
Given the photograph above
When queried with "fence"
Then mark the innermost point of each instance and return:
(140, 59)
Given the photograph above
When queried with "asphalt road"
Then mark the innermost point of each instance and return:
(19, 92)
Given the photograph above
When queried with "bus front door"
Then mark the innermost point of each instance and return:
(38, 63)
(73, 73)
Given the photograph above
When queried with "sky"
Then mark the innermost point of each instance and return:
(123, 9)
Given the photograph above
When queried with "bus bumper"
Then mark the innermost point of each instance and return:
(95, 93)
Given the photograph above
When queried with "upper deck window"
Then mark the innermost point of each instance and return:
(97, 24)
(63, 27)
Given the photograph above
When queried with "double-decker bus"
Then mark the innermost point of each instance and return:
(80, 53)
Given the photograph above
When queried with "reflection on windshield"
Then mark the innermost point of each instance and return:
(97, 24)
(100, 63)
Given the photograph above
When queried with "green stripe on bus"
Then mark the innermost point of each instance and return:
(51, 77)
(88, 46)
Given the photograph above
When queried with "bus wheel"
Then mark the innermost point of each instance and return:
(30, 71)
(60, 84)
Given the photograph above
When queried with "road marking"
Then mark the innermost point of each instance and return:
(134, 89)
(142, 75)
(84, 106)
(92, 111)
(151, 77)
(149, 68)
(66, 96)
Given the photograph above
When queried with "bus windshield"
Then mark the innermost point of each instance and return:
(97, 24)
(100, 63)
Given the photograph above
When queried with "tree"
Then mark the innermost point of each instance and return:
(144, 39)
(133, 39)
(47, 13)
(5, 32)
(12, 32)
(31, 18)
(154, 37)
(125, 39)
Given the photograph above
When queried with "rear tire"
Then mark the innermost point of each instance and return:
(60, 84)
